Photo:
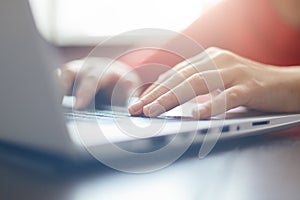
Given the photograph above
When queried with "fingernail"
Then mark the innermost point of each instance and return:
(196, 114)
(136, 108)
(199, 112)
(153, 109)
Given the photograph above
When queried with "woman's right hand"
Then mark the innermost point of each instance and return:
(84, 78)
(240, 82)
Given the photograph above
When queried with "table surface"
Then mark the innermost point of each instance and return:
(260, 167)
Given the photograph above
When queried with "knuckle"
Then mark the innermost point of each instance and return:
(185, 73)
(71, 68)
(197, 78)
(161, 77)
(178, 76)
(153, 95)
(195, 82)
(222, 57)
(67, 70)
(212, 49)
(180, 65)
(89, 81)
(235, 95)
(168, 99)
(241, 70)
(91, 77)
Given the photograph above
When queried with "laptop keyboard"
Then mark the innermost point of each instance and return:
(100, 114)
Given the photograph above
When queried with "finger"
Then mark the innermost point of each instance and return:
(226, 100)
(162, 88)
(89, 85)
(174, 80)
(68, 75)
(187, 90)
(106, 76)
(196, 62)
(201, 64)
(89, 80)
(162, 78)
(67, 79)
(85, 91)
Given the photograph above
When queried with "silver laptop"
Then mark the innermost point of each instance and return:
(31, 114)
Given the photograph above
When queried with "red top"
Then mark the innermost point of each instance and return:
(250, 28)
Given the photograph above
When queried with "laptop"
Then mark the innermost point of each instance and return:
(31, 114)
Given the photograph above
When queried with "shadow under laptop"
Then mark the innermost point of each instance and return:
(40, 164)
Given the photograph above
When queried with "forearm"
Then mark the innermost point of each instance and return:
(291, 77)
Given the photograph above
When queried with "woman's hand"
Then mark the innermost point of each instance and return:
(241, 82)
(84, 78)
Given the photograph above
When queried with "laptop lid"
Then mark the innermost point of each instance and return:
(30, 112)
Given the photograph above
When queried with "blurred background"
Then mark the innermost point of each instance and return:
(88, 22)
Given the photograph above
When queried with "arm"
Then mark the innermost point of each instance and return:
(84, 78)
(246, 82)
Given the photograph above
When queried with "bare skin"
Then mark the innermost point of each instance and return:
(246, 83)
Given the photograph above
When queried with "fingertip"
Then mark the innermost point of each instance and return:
(146, 110)
(200, 113)
(66, 80)
(79, 103)
(135, 112)
(136, 108)
(196, 114)
(153, 109)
